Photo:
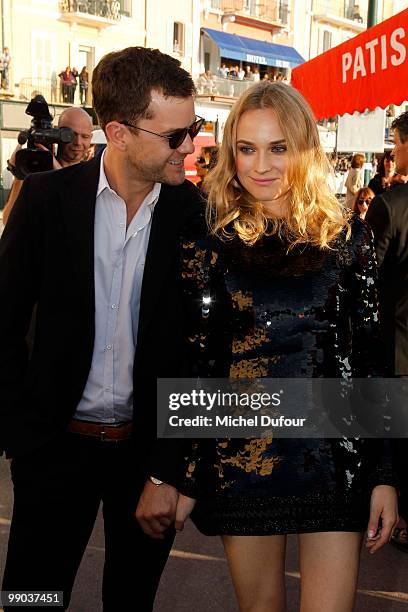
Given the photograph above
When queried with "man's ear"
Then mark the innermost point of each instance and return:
(117, 134)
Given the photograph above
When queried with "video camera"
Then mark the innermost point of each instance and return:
(33, 159)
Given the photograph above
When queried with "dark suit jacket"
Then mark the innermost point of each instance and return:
(47, 258)
(388, 217)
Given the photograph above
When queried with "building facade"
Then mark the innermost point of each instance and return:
(255, 38)
(320, 25)
(46, 36)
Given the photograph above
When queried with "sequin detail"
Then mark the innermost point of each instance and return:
(276, 312)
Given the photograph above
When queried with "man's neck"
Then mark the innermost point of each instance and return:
(132, 190)
(66, 162)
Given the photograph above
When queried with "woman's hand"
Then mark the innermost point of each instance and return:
(185, 507)
(384, 506)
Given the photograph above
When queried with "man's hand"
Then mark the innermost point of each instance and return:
(55, 164)
(185, 507)
(156, 509)
(12, 159)
(384, 506)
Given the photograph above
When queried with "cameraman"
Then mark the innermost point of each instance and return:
(68, 154)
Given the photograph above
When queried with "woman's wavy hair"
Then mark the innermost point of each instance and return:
(381, 164)
(315, 215)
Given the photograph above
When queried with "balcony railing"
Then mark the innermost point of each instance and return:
(51, 89)
(343, 10)
(108, 10)
(221, 86)
(272, 10)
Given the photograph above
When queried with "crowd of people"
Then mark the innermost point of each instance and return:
(248, 73)
(349, 175)
(134, 274)
(69, 80)
(217, 84)
(384, 178)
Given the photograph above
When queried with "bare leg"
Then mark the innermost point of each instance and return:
(257, 567)
(329, 563)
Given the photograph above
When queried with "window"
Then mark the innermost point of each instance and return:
(178, 38)
(207, 59)
(252, 7)
(216, 4)
(126, 7)
(283, 10)
(353, 11)
(327, 39)
(43, 53)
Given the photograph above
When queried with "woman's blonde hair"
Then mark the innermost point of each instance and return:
(315, 215)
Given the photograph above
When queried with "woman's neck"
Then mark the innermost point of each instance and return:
(276, 209)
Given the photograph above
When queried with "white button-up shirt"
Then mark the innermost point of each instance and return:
(119, 256)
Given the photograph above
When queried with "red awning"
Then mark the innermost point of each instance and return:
(367, 71)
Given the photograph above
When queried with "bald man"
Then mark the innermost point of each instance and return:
(81, 124)
(67, 155)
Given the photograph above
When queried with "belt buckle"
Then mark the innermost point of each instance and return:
(103, 438)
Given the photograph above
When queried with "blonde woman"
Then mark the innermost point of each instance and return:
(288, 280)
(354, 180)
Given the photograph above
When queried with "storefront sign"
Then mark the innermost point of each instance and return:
(256, 59)
(365, 72)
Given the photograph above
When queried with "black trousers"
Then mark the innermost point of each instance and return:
(400, 447)
(57, 493)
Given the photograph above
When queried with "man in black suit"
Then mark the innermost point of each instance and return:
(388, 217)
(95, 247)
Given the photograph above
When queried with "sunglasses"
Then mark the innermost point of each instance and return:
(362, 200)
(177, 137)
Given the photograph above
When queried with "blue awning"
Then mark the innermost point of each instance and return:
(254, 51)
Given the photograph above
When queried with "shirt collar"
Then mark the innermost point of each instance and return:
(150, 199)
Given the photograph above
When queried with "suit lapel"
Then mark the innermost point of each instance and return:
(162, 249)
(78, 194)
(79, 197)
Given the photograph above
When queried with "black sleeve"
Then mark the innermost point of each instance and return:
(378, 217)
(368, 354)
(375, 184)
(208, 337)
(19, 286)
(166, 460)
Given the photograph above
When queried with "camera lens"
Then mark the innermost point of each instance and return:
(29, 161)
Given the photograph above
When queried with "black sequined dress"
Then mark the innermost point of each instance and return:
(277, 313)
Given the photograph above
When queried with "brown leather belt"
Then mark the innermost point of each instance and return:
(101, 431)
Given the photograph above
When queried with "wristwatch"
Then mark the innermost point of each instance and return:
(155, 481)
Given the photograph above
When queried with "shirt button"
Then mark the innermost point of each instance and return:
(108, 388)
(121, 225)
(108, 347)
(114, 306)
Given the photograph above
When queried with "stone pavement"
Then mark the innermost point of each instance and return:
(196, 576)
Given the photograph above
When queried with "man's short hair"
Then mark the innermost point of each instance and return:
(68, 113)
(122, 83)
(401, 125)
